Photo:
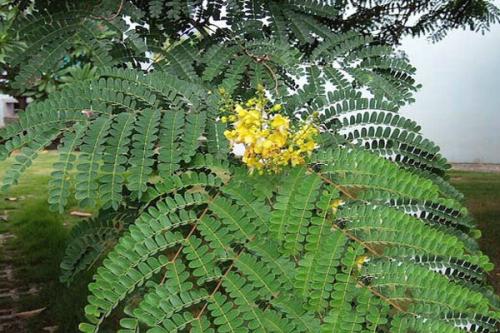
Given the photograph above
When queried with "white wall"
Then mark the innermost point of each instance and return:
(1, 115)
(459, 103)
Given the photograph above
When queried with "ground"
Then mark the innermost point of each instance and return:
(482, 198)
(32, 242)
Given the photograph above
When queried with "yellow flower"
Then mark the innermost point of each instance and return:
(252, 162)
(264, 147)
(240, 110)
(278, 138)
(296, 158)
(252, 118)
(230, 135)
(280, 122)
(308, 146)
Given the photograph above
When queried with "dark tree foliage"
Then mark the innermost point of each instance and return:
(387, 20)
(392, 20)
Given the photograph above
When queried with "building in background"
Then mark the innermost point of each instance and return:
(7, 109)
(458, 106)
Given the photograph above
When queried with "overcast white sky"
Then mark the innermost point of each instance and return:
(458, 106)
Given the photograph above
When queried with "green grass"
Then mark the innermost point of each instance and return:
(32, 186)
(40, 242)
(482, 198)
(41, 236)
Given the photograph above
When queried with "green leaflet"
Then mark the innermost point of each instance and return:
(397, 229)
(216, 59)
(324, 270)
(320, 224)
(405, 324)
(227, 316)
(170, 147)
(368, 310)
(180, 60)
(14, 143)
(268, 252)
(234, 219)
(201, 260)
(88, 162)
(454, 268)
(167, 87)
(155, 8)
(90, 239)
(33, 124)
(426, 288)
(217, 144)
(118, 93)
(59, 184)
(254, 205)
(342, 317)
(115, 160)
(284, 205)
(234, 74)
(355, 168)
(260, 276)
(195, 125)
(218, 236)
(168, 309)
(182, 181)
(26, 157)
(245, 296)
(300, 215)
(295, 312)
(141, 161)
(133, 259)
(375, 125)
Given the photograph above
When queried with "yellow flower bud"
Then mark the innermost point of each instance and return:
(360, 261)
(223, 119)
(251, 102)
(336, 204)
(277, 108)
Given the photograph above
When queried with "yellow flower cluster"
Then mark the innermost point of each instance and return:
(270, 140)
